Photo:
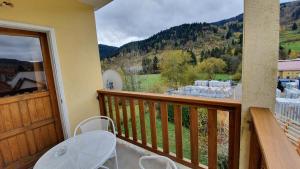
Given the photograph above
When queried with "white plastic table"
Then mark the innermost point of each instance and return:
(86, 151)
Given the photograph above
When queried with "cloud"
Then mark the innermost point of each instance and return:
(123, 21)
(20, 48)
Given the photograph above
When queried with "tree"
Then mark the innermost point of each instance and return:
(229, 34)
(173, 68)
(146, 65)
(241, 39)
(282, 53)
(193, 60)
(238, 74)
(155, 65)
(212, 66)
(294, 27)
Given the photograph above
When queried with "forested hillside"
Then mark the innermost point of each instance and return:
(221, 39)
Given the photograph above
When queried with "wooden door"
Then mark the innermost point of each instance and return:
(29, 115)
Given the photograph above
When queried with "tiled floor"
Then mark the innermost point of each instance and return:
(128, 158)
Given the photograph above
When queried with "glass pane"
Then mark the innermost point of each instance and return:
(21, 65)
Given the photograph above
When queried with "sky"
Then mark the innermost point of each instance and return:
(20, 48)
(123, 21)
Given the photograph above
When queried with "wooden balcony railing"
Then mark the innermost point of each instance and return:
(140, 112)
(270, 147)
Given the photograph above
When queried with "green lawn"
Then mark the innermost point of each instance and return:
(290, 40)
(294, 46)
(149, 80)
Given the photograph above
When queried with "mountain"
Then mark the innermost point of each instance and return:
(238, 18)
(220, 39)
(289, 13)
(107, 51)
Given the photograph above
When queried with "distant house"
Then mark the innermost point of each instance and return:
(289, 69)
(28, 80)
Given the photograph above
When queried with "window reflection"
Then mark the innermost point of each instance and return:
(21, 65)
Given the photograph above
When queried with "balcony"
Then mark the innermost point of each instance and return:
(145, 126)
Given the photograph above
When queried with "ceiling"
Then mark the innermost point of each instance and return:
(97, 4)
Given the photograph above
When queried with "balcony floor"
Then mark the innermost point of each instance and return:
(128, 157)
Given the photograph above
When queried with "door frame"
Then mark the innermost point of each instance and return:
(56, 68)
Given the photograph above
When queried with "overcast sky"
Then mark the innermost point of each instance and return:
(20, 48)
(123, 21)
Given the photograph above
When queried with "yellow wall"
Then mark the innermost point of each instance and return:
(290, 74)
(75, 29)
(260, 59)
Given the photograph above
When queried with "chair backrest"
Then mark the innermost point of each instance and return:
(161, 162)
(95, 123)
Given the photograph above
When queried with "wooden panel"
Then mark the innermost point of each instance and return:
(1, 161)
(118, 120)
(23, 97)
(125, 118)
(110, 110)
(24, 113)
(7, 156)
(11, 133)
(2, 126)
(164, 126)
(6, 118)
(142, 122)
(212, 138)
(13, 147)
(194, 135)
(133, 121)
(52, 134)
(153, 125)
(31, 142)
(22, 144)
(15, 115)
(47, 107)
(40, 109)
(38, 139)
(277, 151)
(178, 130)
(45, 136)
(32, 110)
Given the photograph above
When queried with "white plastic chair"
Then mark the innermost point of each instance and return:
(149, 162)
(97, 123)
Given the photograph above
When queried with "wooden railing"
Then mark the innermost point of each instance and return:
(153, 105)
(292, 131)
(269, 147)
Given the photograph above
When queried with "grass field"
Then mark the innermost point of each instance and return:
(149, 80)
(294, 46)
(290, 40)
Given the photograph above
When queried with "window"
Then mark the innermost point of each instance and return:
(21, 64)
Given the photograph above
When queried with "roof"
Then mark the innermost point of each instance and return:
(289, 65)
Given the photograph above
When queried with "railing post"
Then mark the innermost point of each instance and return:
(212, 138)
(234, 137)
(178, 130)
(255, 153)
(101, 99)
